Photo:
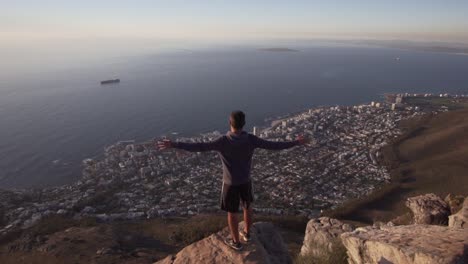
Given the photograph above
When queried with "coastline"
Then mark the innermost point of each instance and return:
(103, 189)
(128, 182)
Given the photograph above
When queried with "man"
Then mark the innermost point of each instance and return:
(236, 149)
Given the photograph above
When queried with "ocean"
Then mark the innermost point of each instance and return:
(54, 117)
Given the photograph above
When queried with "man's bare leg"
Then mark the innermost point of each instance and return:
(233, 223)
(247, 219)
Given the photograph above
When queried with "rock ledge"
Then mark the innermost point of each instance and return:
(429, 209)
(266, 247)
(407, 244)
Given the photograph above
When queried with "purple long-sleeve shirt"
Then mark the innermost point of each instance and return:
(236, 151)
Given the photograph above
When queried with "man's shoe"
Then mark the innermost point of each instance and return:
(232, 244)
(245, 236)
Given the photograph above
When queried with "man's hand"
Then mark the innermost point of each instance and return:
(302, 140)
(165, 144)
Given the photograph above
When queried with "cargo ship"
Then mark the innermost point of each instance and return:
(110, 81)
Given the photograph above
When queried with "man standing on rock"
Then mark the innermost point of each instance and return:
(236, 149)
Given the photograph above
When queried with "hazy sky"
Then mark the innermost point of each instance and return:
(442, 20)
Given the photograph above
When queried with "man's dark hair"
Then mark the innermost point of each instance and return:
(237, 119)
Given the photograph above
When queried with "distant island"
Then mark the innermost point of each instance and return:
(279, 50)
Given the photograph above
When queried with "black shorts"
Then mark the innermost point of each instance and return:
(232, 196)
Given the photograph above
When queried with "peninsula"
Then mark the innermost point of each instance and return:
(134, 180)
(135, 189)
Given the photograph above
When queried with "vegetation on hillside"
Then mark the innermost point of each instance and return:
(431, 157)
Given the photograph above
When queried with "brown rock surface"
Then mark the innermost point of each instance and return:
(455, 202)
(407, 244)
(460, 219)
(428, 209)
(266, 246)
(321, 233)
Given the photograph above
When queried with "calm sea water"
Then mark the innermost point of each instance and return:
(51, 119)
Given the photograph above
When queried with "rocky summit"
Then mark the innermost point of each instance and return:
(428, 209)
(266, 247)
(407, 244)
(460, 219)
(322, 234)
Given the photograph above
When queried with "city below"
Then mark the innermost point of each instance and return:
(136, 181)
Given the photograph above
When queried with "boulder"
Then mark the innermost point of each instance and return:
(428, 209)
(460, 219)
(407, 244)
(266, 246)
(404, 219)
(322, 233)
(454, 202)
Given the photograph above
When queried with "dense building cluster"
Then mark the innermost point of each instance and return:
(136, 180)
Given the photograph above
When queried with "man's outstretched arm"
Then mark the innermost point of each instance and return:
(192, 147)
(278, 145)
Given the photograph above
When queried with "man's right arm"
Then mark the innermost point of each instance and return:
(192, 147)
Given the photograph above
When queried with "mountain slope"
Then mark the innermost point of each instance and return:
(431, 157)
